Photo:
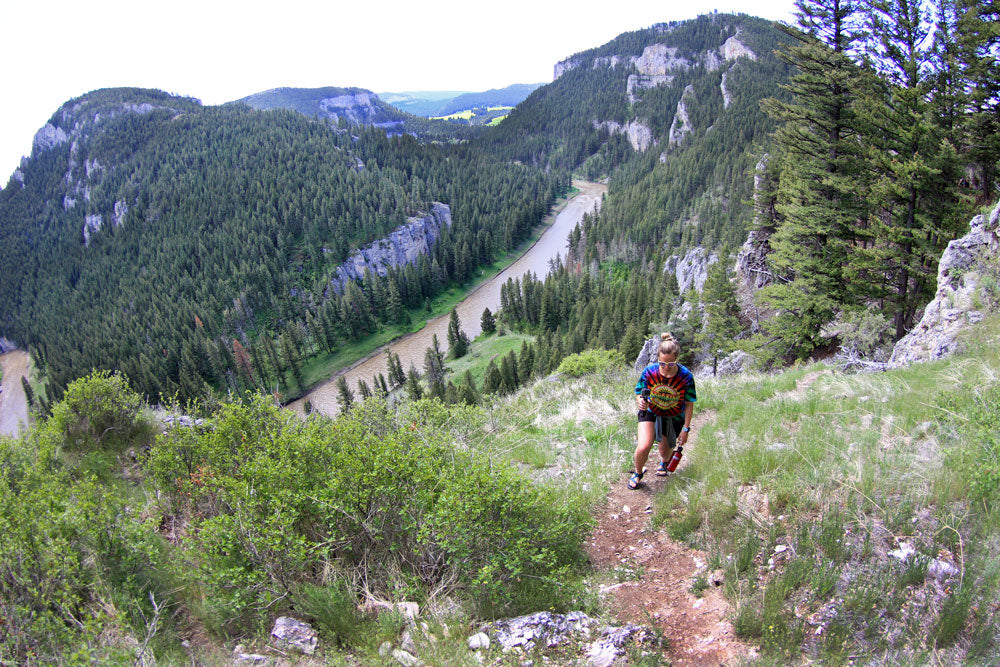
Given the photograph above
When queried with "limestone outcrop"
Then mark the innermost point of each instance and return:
(957, 302)
(691, 270)
(681, 125)
(564, 66)
(403, 246)
(640, 136)
(733, 48)
(358, 108)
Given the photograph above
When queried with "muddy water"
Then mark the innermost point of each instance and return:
(411, 348)
(13, 404)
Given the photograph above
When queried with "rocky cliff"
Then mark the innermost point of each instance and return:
(355, 106)
(403, 246)
(966, 266)
(78, 120)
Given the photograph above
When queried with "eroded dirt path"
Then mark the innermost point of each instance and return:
(13, 404)
(697, 628)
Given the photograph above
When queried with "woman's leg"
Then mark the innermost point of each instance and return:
(667, 442)
(645, 443)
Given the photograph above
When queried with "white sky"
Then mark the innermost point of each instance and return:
(219, 51)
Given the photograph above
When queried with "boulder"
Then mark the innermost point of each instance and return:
(295, 634)
(734, 364)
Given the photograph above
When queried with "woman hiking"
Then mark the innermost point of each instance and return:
(665, 396)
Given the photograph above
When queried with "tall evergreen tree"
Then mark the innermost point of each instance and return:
(458, 342)
(820, 193)
(722, 311)
(413, 388)
(345, 397)
(916, 168)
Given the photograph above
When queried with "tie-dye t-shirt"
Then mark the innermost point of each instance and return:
(667, 396)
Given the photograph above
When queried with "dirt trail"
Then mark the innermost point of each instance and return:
(697, 628)
(13, 404)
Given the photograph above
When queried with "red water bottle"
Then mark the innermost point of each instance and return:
(675, 459)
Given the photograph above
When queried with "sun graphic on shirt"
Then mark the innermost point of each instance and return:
(664, 397)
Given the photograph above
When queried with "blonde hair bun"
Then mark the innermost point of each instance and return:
(669, 344)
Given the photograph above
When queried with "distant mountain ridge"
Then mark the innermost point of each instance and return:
(443, 103)
(357, 106)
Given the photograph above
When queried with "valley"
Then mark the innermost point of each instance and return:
(410, 348)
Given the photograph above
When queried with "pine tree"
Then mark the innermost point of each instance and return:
(722, 312)
(291, 356)
(29, 394)
(467, 390)
(363, 389)
(914, 194)
(632, 342)
(396, 375)
(345, 397)
(413, 388)
(526, 361)
(488, 323)
(820, 193)
(492, 381)
(458, 342)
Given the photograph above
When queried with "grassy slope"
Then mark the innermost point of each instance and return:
(840, 473)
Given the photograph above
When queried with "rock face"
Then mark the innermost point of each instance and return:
(659, 60)
(637, 82)
(563, 67)
(691, 270)
(647, 354)
(681, 126)
(48, 137)
(599, 644)
(639, 135)
(954, 306)
(357, 109)
(752, 271)
(727, 98)
(734, 48)
(403, 246)
(91, 225)
(6, 345)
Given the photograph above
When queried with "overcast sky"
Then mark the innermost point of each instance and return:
(54, 50)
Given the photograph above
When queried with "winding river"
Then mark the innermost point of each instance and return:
(13, 403)
(411, 347)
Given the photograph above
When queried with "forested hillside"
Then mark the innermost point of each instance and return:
(194, 246)
(351, 106)
(874, 129)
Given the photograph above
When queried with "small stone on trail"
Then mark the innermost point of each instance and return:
(479, 640)
(626, 509)
(405, 659)
(781, 548)
(904, 551)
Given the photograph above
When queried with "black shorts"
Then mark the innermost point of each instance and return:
(667, 427)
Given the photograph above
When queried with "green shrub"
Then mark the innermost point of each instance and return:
(99, 411)
(75, 564)
(278, 502)
(590, 361)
